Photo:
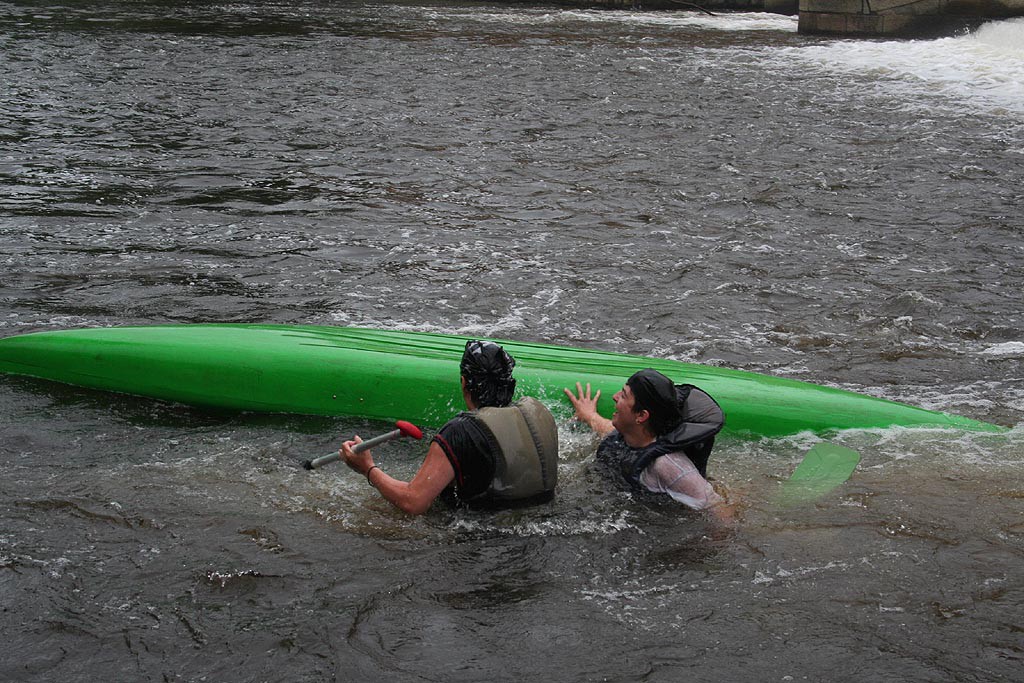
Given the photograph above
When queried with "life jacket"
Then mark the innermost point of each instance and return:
(524, 439)
(695, 436)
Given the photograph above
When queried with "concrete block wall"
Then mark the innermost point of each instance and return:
(900, 17)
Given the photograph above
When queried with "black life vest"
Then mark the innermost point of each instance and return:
(695, 436)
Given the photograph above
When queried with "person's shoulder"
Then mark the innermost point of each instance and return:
(536, 414)
(613, 439)
(458, 422)
(672, 464)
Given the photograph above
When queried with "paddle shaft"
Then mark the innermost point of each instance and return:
(369, 443)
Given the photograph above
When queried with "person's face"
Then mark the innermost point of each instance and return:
(624, 418)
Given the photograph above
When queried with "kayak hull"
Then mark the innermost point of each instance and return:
(414, 376)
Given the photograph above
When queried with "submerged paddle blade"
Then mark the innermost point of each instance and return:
(825, 467)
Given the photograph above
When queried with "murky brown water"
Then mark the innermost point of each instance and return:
(716, 189)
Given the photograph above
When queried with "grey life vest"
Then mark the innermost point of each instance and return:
(526, 457)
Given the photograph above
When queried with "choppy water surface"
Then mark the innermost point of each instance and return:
(716, 189)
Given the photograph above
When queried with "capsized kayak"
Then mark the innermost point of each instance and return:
(414, 376)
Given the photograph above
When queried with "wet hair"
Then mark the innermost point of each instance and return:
(656, 393)
(487, 369)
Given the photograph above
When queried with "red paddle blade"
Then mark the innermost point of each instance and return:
(409, 429)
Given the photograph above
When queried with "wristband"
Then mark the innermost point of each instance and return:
(372, 468)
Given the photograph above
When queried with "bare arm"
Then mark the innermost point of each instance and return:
(586, 409)
(414, 497)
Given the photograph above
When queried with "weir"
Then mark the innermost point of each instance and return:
(901, 17)
(850, 17)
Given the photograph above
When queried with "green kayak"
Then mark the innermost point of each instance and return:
(412, 376)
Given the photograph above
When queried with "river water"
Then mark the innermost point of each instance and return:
(712, 189)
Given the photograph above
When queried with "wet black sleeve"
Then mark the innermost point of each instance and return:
(468, 447)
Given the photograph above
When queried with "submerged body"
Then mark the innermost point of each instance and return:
(387, 374)
(500, 453)
(501, 456)
(659, 437)
(672, 460)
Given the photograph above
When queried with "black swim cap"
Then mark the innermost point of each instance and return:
(656, 393)
(488, 372)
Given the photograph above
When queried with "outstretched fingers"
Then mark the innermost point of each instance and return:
(583, 401)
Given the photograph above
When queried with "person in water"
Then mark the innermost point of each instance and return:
(659, 438)
(498, 454)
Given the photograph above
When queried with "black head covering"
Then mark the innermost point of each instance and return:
(656, 393)
(488, 372)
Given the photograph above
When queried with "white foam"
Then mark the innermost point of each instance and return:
(983, 70)
(724, 21)
(1001, 38)
(718, 21)
(589, 525)
(1005, 350)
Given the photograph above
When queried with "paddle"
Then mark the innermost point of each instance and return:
(825, 467)
(404, 429)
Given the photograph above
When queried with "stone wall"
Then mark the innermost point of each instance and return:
(900, 17)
